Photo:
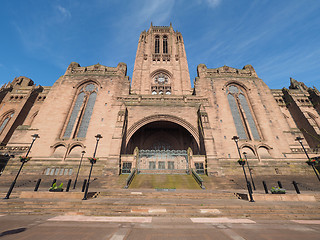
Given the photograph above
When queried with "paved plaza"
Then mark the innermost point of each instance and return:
(36, 227)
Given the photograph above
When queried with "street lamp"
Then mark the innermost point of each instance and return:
(245, 155)
(309, 162)
(93, 160)
(75, 181)
(236, 139)
(23, 161)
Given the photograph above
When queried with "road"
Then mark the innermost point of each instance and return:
(21, 227)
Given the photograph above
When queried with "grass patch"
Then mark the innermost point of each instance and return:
(168, 181)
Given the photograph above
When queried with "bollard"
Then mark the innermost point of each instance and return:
(84, 185)
(53, 182)
(68, 186)
(265, 187)
(37, 185)
(296, 187)
(279, 184)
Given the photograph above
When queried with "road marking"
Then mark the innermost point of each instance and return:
(101, 219)
(120, 234)
(148, 210)
(213, 211)
(232, 234)
(157, 210)
(136, 193)
(221, 220)
(307, 221)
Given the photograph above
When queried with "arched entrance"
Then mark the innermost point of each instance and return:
(162, 147)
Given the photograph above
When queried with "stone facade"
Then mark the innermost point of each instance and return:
(160, 113)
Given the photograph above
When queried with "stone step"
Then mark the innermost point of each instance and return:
(184, 213)
(169, 195)
(234, 205)
(191, 203)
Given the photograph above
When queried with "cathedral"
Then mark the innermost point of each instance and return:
(157, 122)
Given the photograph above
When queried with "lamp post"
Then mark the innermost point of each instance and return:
(93, 160)
(23, 161)
(236, 139)
(245, 155)
(299, 139)
(75, 181)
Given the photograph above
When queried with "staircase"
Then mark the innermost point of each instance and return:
(167, 196)
(165, 203)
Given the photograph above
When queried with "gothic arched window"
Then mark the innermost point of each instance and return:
(165, 44)
(6, 118)
(157, 45)
(160, 84)
(241, 113)
(81, 112)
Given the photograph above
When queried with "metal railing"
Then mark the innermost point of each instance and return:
(198, 179)
(130, 178)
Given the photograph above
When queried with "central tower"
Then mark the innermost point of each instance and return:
(161, 65)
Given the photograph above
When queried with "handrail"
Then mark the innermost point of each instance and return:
(198, 179)
(130, 178)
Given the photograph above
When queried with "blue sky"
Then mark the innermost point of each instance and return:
(280, 39)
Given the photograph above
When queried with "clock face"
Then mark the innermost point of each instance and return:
(161, 78)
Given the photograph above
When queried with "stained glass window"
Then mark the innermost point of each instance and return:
(236, 117)
(90, 87)
(82, 110)
(5, 121)
(241, 113)
(247, 111)
(74, 115)
(87, 116)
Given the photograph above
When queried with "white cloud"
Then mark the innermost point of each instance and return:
(213, 3)
(210, 3)
(64, 12)
(142, 14)
(156, 11)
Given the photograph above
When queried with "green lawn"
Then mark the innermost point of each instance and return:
(168, 181)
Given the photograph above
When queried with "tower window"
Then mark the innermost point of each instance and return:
(165, 44)
(157, 45)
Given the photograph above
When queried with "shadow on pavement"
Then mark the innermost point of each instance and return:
(13, 231)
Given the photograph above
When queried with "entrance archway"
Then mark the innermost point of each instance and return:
(162, 147)
(162, 135)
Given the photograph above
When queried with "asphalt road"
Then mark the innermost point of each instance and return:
(36, 227)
